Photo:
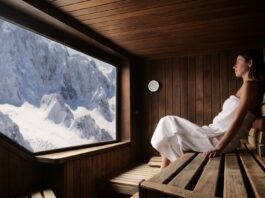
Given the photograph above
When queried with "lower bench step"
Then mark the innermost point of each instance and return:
(127, 180)
(47, 193)
(136, 195)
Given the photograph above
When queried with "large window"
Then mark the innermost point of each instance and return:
(52, 96)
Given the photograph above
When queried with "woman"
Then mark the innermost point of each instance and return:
(174, 135)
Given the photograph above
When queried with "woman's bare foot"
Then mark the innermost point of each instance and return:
(165, 162)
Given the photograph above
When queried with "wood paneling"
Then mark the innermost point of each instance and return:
(4, 172)
(193, 87)
(56, 26)
(19, 173)
(159, 29)
(79, 177)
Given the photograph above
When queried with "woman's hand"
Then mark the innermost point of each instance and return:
(212, 153)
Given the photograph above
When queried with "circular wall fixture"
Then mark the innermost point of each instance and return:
(153, 86)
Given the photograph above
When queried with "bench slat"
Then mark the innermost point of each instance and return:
(154, 164)
(132, 183)
(259, 158)
(48, 193)
(127, 181)
(121, 188)
(254, 172)
(172, 190)
(188, 173)
(208, 181)
(173, 168)
(155, 161)
(233, 180)
(136, 195)
(36, 195)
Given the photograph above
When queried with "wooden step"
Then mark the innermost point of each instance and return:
(126, 181)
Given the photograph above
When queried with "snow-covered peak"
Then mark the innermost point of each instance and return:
(54, 106)
(86, 127)
(32, 66)
(11, 130)
(42, 86)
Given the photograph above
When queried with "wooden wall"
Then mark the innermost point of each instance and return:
(80, 177)
(19, 174)
(193, 87)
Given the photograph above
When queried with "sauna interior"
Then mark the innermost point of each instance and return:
(188, 46)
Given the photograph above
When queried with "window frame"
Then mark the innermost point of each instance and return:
(28, 21)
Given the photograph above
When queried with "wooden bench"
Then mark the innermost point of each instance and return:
(238, 174)
(46, 193)
(126, 181)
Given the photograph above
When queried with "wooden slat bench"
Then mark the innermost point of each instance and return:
(46, 193)
(238, 174)
(127, 180)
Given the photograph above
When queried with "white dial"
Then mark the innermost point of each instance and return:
(153, 86)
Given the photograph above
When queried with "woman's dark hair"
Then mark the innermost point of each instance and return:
(257, 71)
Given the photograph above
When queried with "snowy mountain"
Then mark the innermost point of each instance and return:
(33, 66)
(86, 127)
(43, 73)
(56, 109)
(11, 130)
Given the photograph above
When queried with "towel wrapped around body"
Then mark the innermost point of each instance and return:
(175, 135)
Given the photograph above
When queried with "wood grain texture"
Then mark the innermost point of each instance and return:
(173, 168)
(185, 26)
(207, 183)
(193, 87)
(233, 180)
(207, 89)
(19, 173)
(188, 173)
(127, 180)
(254, 172)
(4, 172)
(79, 177)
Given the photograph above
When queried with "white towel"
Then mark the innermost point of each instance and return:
(174, 134)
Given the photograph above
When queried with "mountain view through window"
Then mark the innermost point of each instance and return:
(52, 96)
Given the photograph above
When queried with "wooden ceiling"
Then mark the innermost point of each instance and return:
(162, 28)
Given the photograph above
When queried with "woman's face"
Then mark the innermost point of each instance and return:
(241, 67)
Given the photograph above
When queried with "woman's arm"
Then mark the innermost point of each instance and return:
(247, 102)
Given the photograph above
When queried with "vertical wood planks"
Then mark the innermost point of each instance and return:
(199, 90)
(192, 87)
(176, 86)
(224, 67)
(184, 87)
(207, 89)
(81, 175)
(215, 86)
(4, 173)
(168, 68)
(231, 74)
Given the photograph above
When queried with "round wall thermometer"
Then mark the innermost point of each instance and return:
(153, 86)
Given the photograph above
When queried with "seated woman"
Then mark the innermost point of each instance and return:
(173, 134)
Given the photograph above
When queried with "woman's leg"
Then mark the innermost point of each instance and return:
(165, 162)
